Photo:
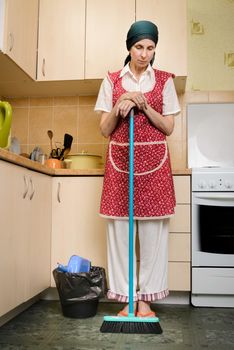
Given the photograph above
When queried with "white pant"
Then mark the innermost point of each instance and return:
(153, 239)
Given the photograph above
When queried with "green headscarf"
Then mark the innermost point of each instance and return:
(138, 31)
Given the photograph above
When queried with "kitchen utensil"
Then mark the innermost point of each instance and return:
(85, 161)
(66, 145)
(5, 124)
(50, 134)
(65, 153)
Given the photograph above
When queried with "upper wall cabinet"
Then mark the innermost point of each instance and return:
(107, 23)
(20, 33)
(61, 42)
(171, 19)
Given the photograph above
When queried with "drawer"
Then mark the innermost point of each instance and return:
(180, 222)
(179, 276)
(182, 188)
(179, 247)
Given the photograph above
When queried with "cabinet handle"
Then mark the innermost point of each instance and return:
(58, 192)
(32, 188)
(43, 67)
(11, 37)
(25, 187)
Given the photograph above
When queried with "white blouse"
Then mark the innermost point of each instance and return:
(145, 84)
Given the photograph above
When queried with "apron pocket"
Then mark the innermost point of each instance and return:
(148, 156)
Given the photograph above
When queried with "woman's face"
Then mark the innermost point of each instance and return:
(142, 53)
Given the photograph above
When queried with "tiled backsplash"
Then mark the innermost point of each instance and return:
(32, 117)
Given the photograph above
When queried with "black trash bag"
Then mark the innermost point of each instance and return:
(79, 293)
(84, 285)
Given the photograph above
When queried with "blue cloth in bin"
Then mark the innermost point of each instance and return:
(76, 264)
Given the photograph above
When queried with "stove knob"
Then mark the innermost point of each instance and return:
(202, 184)
(212, 184)
(228, 185)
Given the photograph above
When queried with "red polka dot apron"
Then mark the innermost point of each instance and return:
(154, 195)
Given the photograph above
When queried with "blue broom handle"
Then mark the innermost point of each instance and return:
(131, 211)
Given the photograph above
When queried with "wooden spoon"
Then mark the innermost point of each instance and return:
(50, 134)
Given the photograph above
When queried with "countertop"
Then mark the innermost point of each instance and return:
(36, 166)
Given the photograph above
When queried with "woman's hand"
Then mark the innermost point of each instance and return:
(124, 107)
(137, 97)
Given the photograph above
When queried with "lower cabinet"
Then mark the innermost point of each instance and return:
(45, 220)
(25, 209)
(77, 227)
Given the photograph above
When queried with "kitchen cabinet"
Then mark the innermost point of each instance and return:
(108, 52)
(25, 234)
(106, 35)
(171, 19)
(77, 227)
(61, 40)
(180, 237)
(20, 33)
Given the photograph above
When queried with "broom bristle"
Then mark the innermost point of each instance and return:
(131, 327)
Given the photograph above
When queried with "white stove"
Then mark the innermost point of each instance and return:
(211, 157)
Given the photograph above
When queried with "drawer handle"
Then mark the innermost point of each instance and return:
(58, 192)
(25, 187)
(43, 67)
(32, 188)
(11, 37)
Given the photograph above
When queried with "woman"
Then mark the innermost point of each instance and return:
(152, 95)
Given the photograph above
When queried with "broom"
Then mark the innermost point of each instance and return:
(131, 323)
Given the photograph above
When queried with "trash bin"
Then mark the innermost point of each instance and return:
(79, 293)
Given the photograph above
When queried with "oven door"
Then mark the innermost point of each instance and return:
(213, 229)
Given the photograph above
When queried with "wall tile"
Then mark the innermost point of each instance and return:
(65, 121)
(87, 100)
(40, 120)
(20, 124)
(66, 101)
(88, 126)
(41, 102)
(18, 102)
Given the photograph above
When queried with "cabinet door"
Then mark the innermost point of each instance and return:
(20, 39)
(77, 227)
(61, 42)
(25, 208)
(170, 17)
(107, 24)
(12, 239)
(38, 228)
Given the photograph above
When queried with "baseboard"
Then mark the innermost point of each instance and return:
(17, 310)
(181, 298)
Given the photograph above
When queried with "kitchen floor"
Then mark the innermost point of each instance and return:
(43, 326)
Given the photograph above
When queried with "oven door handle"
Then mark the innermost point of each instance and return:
(217, 196)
